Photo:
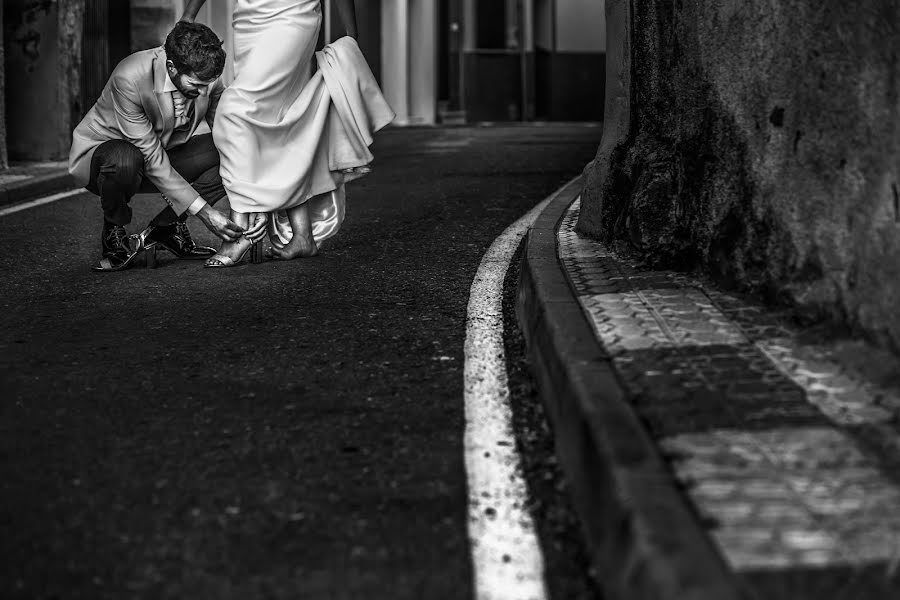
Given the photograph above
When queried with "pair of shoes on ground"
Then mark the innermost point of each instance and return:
(118, 253)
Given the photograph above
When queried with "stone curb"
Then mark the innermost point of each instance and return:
(36, 186)
(646, 541)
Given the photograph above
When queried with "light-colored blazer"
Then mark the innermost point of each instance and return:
(135, 106)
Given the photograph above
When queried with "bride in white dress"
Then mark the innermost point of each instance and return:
(273, 130)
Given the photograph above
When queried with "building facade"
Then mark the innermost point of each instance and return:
(438, 61)
(474, 60)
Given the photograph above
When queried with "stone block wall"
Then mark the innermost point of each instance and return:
(3, 159)
(762, 145)
(43, 58)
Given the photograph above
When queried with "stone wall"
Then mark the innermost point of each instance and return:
(3, 160)
(43, 50)
(762, 147)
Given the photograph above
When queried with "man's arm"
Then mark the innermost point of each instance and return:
(347, 12)
(136, 128)
(191, 8)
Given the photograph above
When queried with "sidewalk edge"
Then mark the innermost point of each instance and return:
(645, 540)
(36, 186)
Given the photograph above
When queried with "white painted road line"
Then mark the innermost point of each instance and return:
(506, 555)
(46, 200)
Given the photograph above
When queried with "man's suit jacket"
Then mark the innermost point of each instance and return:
(135, 107)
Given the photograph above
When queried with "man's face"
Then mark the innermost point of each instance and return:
(188, 84)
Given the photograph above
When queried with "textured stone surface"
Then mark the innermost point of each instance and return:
(616, 108)
(644, 535)
(763, 147)
(3, 158)
(786, 444)
(43, 43)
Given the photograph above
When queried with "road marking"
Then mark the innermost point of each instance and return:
(45, 200)
(506, 555)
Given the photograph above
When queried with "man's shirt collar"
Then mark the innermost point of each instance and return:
(168, 84)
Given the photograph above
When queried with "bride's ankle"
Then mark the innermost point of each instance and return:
(235, 246)
(303, 240)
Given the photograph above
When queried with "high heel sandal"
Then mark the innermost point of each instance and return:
(144, 244)
(220, 260)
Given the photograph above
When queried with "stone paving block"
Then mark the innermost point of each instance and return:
(748, 549)
(871, 541)
(791, 459)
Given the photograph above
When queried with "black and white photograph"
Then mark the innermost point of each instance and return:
(449, 299)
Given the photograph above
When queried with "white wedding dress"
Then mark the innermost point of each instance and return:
(272, 126)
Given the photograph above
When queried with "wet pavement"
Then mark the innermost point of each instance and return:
(281, 430)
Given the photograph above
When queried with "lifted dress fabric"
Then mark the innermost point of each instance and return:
(286, 132)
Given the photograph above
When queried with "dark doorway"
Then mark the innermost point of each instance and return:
(498, 71)
(450, 61)
(368, 17)
(106, 41)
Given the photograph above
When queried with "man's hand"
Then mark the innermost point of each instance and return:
(257, 230)
(219, 224)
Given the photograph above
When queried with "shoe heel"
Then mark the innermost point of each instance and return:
(256, 253)
(150, 256)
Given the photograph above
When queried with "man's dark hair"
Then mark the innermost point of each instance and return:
(194, 48)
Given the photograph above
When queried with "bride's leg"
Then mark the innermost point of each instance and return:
(302, 243)
(234, 250)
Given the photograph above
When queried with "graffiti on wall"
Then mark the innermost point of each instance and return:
(26, 33)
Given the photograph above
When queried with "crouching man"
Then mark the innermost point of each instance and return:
(138, 137)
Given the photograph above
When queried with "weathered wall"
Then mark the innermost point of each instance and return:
(43, 50)
(70, 29)
(151, 21)
(763, 147)
(3, 159)
(616, 115)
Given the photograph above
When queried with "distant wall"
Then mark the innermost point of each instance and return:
(151, 21)
(569, 59)
(763, 146)
(543, 24)
(580, 26)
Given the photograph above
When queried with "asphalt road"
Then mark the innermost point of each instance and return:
(281, 430)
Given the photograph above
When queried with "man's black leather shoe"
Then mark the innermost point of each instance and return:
(117, 252)
(176, 238)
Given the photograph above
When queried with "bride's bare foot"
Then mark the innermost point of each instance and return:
(298, 247)
(302, 244)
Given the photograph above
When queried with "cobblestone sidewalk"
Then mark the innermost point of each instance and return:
(785, 441)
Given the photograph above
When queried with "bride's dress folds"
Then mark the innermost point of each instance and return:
(285, 134)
